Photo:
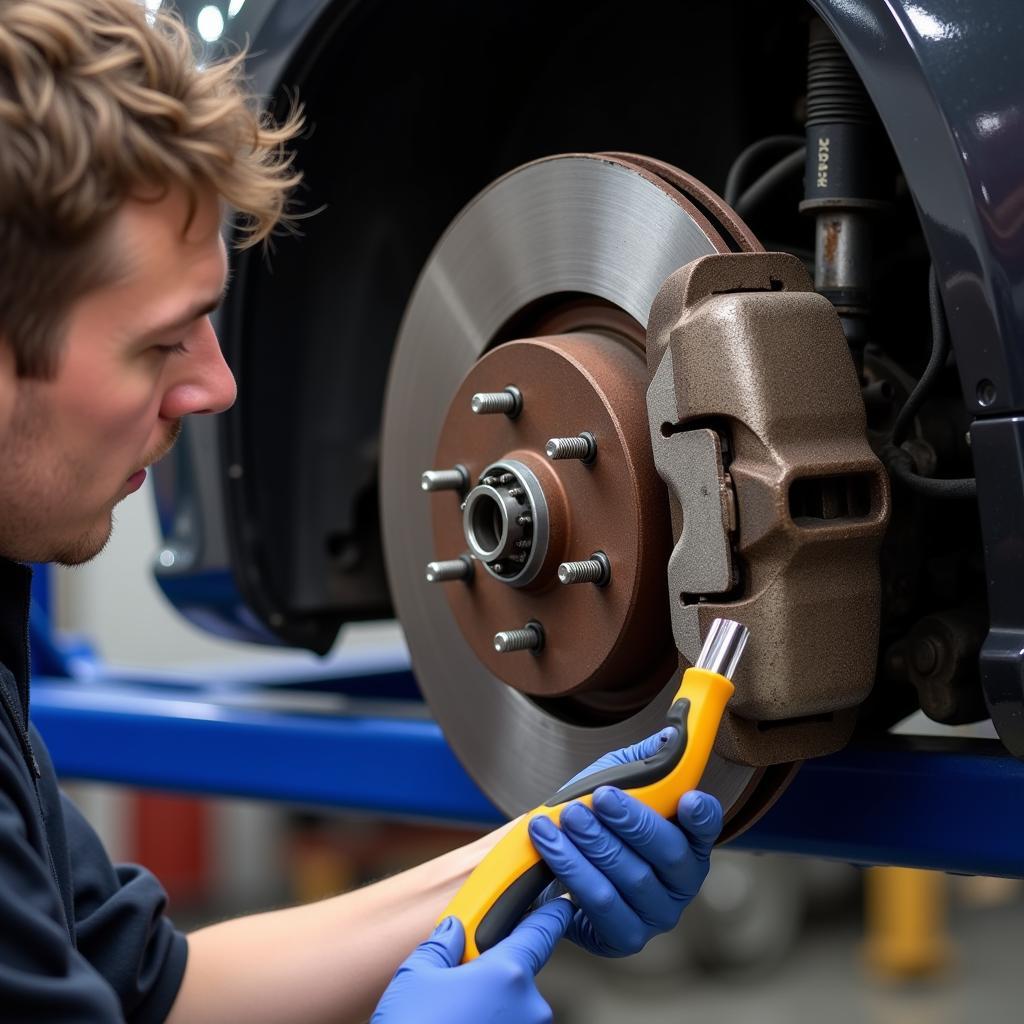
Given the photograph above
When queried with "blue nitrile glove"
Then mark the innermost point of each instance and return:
(630, 871)
(432, 988)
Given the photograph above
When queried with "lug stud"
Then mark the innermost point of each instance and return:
(456, 479)
(509, 401)
(530, 638)
(583, 448)
(525, 519)
(460, 568)
(596, 569)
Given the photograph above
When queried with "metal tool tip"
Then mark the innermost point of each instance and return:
(724, 647)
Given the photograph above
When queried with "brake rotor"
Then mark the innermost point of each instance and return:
(544, 283)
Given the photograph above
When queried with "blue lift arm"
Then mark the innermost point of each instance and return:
(954, 805)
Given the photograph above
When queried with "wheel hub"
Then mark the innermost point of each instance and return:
(607, 642)
(505, 521)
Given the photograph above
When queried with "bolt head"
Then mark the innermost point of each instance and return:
(925, 656)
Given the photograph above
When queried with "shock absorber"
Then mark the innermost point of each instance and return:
(842, 183)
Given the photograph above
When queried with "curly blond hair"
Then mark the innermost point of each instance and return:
(100, 102)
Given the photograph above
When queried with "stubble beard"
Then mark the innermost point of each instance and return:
(89, 545)
(21, 537)
(85, 548)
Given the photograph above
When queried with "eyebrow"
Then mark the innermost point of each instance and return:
(201, 309)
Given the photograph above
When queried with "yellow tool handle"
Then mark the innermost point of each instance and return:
(507, 881)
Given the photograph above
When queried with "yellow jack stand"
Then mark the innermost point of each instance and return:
(905, 918)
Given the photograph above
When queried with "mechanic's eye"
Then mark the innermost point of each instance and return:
(176, 349)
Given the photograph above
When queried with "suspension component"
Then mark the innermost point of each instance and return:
(842, 184)
(939, 657)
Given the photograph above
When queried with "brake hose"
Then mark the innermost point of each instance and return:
(898, 461)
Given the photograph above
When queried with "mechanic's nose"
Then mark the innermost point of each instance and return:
(205, 383)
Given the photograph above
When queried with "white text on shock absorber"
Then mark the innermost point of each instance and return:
(822, 163)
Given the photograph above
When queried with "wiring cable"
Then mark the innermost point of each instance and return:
(898, 461)
(763, 186)
(750, 156)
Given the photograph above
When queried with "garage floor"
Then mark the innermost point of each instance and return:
(781, 938)
(822, 979)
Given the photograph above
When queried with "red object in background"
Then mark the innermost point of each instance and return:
(170, 837)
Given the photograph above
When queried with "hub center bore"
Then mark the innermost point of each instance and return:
(505, 522)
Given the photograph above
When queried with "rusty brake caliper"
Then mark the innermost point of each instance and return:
(778, 503)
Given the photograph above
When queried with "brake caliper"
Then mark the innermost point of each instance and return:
(779, 504)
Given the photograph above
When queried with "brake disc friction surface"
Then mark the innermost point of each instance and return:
(576, 225)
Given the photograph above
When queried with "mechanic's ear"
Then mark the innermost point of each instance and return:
(203, 382)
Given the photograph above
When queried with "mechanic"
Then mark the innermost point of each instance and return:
(117, 156)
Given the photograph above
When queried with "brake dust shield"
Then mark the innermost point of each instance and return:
(545, 283)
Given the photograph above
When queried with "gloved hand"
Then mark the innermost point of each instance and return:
(431, 987)
(630, 871)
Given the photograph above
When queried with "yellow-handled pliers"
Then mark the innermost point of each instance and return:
(510, 878)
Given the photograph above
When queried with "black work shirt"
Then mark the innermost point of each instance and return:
(80, 939)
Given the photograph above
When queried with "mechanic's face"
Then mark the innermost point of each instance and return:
(138, 355)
